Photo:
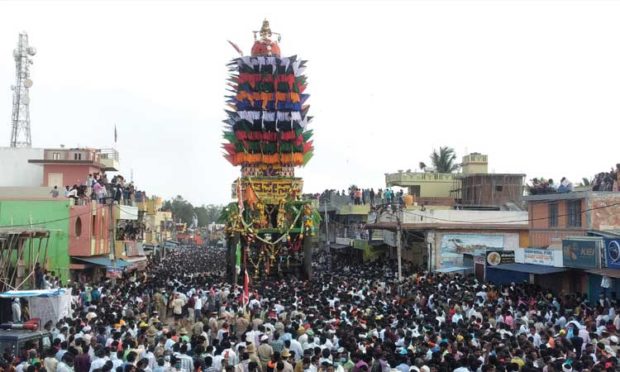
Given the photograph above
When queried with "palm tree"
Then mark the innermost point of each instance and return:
(422, 166)
(444, 160)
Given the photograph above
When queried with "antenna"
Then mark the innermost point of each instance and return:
(20, 119)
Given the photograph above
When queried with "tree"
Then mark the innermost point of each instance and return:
(207, 214)
(182, 210)
(585, 181)
(422, 166)
(444, 160)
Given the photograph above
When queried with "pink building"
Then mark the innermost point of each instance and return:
(68, 167)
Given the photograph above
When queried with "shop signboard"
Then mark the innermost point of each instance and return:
(612, 253)
(538, 256)
(494, 258)
(582, 252)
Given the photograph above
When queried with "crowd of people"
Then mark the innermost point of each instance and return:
(548, 186)
(607, 181)
(97, 188)
(363, 196)
(180, 316)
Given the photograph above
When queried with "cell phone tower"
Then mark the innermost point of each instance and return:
(20, 119)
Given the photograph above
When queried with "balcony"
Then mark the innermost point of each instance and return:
(404, 179)
(109, 160)
(354, 209)
(126, 212)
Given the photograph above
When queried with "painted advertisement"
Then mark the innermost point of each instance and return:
(581, 253)
(612, 253)
(538, 256)
(453, 246)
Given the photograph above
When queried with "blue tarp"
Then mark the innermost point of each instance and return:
(104, 261)
(529, 268)
(34, 293)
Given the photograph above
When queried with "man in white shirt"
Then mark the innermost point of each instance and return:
(197, 307)
(150, 356)
(169, 342)
(294, 346)
(100, 359)
(17, 311)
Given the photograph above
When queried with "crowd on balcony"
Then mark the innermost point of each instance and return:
(541, 186)
(607, 181)
(130, 230)
(98, 188)
(362, 196)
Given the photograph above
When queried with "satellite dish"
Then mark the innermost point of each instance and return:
(28, 83)
(32, 51)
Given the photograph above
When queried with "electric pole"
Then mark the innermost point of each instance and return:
(399, 248)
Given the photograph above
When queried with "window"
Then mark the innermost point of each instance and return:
(574, 213)
(78, 227)
(77, 156)
(553, 214)
(499, 188)
(55, 156)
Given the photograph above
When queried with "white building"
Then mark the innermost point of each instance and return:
(16, 171)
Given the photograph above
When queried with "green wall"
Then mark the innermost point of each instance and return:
(24, 212)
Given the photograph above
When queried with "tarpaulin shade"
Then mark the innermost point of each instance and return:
(103, 261)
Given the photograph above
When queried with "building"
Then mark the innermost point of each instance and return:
(583, 226)
(155, 221)
(447, 240)
(15, 169)
(80, 235)
(62, 167)
(473, 188)
(476, 188)
(427, 188)
(90, 241)
(50, 215)
(553, 217)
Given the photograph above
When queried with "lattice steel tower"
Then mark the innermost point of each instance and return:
(20, 120)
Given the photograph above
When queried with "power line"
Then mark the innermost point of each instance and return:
(509, 221)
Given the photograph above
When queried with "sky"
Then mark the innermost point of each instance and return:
(533, 84)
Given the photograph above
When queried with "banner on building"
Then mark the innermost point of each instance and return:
(538, 256)
(612, 253)
(113, 273)
(494, 258)
(581, 253)
(453, 246)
